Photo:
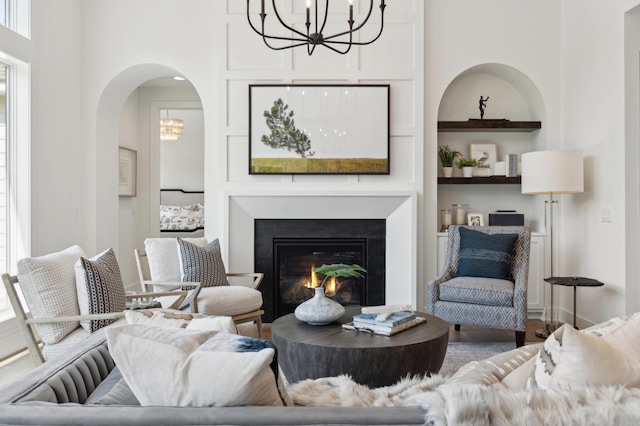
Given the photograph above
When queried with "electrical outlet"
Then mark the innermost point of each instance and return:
(605, 215)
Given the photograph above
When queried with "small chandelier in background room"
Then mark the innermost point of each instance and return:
(170, 128)
(340, 42)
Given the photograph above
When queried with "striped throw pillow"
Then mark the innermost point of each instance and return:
(101, 291)
(202, 264)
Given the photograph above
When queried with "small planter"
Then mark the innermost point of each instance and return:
(447, 172)
(467, 172)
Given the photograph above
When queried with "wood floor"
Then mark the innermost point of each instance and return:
(17, 366)
(476, 334)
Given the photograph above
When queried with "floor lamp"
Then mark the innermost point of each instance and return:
(552, 172)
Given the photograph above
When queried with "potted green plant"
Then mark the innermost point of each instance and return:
(447, 157)
(467, 165)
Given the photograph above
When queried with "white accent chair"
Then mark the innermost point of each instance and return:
(46, 304)
(159, 263)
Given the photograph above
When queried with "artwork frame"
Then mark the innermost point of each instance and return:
(333, 129)
(127, 172)
(486, 155)
(475, 219)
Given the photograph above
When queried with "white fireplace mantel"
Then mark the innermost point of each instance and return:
(399, 208)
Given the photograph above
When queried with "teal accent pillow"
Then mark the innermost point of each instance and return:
(486, 255)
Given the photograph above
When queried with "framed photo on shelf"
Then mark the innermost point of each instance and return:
(475, 219)
(127, 172)
(319, 129)
(486, 155)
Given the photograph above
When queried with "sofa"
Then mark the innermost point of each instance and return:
(63, 391)
(81, 387)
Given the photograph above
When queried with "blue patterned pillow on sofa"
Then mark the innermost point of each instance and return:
(486, 255)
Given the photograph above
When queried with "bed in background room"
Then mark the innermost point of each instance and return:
(181, 213)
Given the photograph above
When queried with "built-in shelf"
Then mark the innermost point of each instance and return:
(489, 180)
(489, 126)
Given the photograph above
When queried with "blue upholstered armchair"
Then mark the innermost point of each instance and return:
(484, 279)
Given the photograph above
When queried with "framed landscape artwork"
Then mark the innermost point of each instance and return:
(319, 129)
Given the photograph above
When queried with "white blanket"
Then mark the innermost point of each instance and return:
(475, 404)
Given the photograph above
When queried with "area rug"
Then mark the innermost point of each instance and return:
(460, 353)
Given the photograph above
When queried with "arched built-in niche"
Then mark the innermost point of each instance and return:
(512, 96)
(109, 207)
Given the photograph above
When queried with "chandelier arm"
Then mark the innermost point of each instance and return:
(324, 21)
(275, 11)
(349, 44)
(353, 30)
(356, 43)
(251, 23)
(284, 47)
(336, 50)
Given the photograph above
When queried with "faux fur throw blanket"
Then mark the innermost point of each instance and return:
(457, 404)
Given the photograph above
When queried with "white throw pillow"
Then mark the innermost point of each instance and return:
(178, 319)
(176, 367)
(626, 338)
(99, 288)
(163, 257)
(49, 287)
(572, 359)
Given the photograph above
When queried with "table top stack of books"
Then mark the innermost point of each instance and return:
(384, 320)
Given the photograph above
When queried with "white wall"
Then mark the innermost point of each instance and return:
(593, 120)
(182, 161)
(86, 66)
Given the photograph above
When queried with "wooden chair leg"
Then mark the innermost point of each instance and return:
(259, 325)
(457, 327)
(520, 336)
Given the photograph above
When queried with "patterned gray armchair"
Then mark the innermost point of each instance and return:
(459, 297)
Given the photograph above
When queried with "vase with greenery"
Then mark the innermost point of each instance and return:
(467, 165)
(447, 157)
(321, 310)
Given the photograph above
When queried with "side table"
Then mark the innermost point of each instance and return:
(574, 282)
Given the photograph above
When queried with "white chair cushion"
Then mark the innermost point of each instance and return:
(99, 288)
(228, 300)
(70, 340)
(49, 287)
(177, 368)
(163, 257)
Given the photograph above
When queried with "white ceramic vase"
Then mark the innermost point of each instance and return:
(467, 172)
(319, 310)
(447, 172)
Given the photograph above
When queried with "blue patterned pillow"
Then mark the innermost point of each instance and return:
(486, 255)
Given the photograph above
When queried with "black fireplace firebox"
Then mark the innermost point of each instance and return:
(287, 251)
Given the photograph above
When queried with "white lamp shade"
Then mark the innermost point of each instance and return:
(557, 172)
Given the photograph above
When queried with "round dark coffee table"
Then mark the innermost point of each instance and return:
(312, 351)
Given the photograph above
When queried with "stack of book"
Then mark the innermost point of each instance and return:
(393, 323)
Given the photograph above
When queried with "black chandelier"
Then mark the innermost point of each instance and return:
(311, 40)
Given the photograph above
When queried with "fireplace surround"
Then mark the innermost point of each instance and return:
(398, 208)
(285, 249)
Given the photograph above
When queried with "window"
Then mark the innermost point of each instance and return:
(4, 234)
(3, 12)
(14, 152)
(14, 14)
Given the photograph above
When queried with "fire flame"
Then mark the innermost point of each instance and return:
(330, 285)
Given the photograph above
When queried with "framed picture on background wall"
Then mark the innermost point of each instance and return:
(127, 172)
(486, 156)
(319, 129)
